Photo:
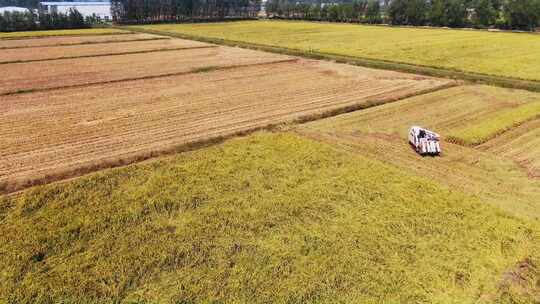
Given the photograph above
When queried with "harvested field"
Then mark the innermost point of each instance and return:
(520, 144)
(30, 76)
(48, 136)
(54, 33)
(73, 51)
(492, 175)
(73, 40)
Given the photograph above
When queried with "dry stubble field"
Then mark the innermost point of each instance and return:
(74, 40)
(98, 49)
(50, 135)
(32, 76)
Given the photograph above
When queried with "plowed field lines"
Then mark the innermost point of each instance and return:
(49, 136)
(19, 77)
(74, 40)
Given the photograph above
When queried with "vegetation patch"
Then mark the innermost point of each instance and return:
(268, 218)
(487, 128)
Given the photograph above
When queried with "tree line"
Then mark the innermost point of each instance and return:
(155, 11)
(503, 14)
(28, 21)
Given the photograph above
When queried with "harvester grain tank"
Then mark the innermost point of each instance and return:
(424, 141)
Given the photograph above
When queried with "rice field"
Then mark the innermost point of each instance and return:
(478, 132)
(271, 218)
(492, 172)
(520, 144)
(511, 55)
(47, 134)
(133, 172)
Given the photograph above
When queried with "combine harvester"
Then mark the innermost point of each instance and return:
(424, 142)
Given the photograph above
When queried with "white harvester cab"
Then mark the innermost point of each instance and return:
(425, 142)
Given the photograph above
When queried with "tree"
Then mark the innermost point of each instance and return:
(373, 12)
(437, 13)
(522, 14)
(75, 19)
(456, 13)
(150, 11)
(417, 11)
(397, 12)
(485, 12)
(333, 13)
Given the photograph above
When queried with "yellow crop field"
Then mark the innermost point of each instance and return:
(143, 168)
(501, 174)
(271, 218)
(512, 55)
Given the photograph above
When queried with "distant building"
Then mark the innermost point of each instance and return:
(12, 9)
(102, 10)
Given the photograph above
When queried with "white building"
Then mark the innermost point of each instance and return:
(99, 9)
(13, 9)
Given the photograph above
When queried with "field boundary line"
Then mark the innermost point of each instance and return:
(203, 69)
(500, 81)
(83, 43)
(14, 189)
(110, 54)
